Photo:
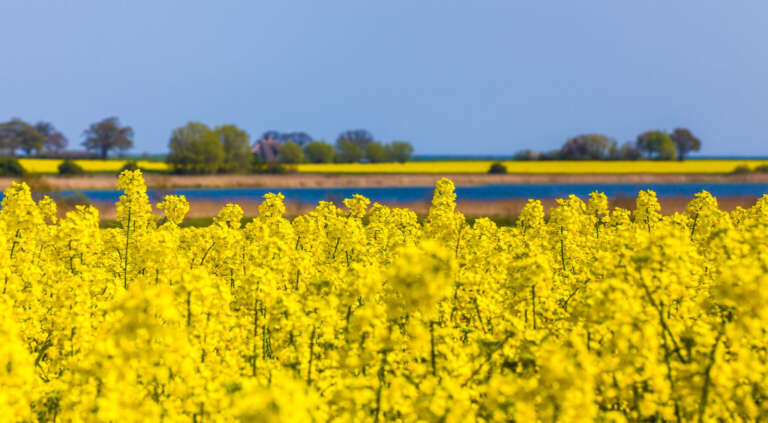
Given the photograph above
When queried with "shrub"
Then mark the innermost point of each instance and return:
(258, 165)
(131, 165)
(741, 170)
(70, 168)
(497, 168)
(762, 168)
(9, 166)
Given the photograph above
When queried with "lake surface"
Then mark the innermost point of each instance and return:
(477, 193)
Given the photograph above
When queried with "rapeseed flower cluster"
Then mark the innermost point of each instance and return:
(364, 313)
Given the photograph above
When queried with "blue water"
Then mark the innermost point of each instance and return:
(479, 192)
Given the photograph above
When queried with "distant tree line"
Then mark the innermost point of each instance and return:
(196, 148)
(357, 145)
(43, 140)
(655, 145)
(17, 136)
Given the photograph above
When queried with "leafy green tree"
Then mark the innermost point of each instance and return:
(667, 150)
(17, 134)
(195, 148)
(348, 151)
(107, 135)
(657, 145)
(375, 152)
(399, 151)
(237, 149)
(290, 153)
(685, 142)
(319, 152)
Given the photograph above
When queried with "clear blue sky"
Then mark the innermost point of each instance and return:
(452, 77)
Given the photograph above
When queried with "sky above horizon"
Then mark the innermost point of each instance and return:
(451, 77)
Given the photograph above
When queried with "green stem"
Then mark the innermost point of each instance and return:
(562, 248)
(202, 260)
(667, 353)
(458, 240)
(15, 241)
(189, 308)
(533, 304)
(432, 345)
(255, 335)
(708, 376)
(335, 247)
(693, 227)
(382, 376)
(311, 355)
(663, 322)
(125, 258)
(479, 316)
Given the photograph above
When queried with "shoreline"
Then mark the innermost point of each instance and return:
(321, 180)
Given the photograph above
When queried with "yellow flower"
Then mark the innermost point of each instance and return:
(175, 208)
(584, 313)
(422, 276)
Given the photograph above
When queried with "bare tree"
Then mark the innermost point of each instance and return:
(17, 134)
(360, 137)
(108, 135)
(55, 141)
(588, 147)
(298, 137)
(685, 142)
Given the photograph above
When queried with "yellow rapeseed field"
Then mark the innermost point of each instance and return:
(364, 313)
(539, 167)
(96, 166)
(50, 166)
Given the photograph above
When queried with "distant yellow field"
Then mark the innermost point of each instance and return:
(539, 167)
(96, 166)
(451, 167)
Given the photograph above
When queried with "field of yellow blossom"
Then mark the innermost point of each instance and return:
(366, 314)
(94, 166)
(570, 167)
